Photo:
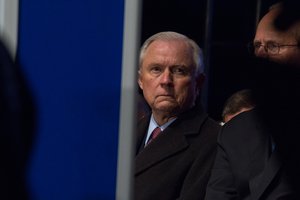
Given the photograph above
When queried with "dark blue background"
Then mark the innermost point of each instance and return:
(70, 52)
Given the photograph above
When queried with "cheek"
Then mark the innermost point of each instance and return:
(294, 56)
(282, 59)
(145, 82)
(185, 90)
(149, 85)
(148, 89)
(289, 54)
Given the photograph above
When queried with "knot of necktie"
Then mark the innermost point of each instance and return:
(154, 134)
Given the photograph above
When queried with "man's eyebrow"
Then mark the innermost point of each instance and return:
(270, 41)
(154, 65)
(179, 66)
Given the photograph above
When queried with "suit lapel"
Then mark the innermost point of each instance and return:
(141, 132)
(259, 158)
(265, 163)
(260, 183)
(165, 145)
(171, 141)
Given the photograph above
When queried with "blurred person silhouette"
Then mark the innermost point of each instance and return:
(237, 103)
(16, 128)
(176, 164)
(258, 150)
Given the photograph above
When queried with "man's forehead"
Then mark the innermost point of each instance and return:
(271, 36)
(165, 42)
(268, 32)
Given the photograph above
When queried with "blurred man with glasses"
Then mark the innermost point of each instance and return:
(258, 150)
(276, 42)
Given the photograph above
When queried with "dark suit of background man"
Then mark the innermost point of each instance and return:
(176, 164)
(258, 151)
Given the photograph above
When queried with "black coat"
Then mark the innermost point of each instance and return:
(248, 165)
(177, 164)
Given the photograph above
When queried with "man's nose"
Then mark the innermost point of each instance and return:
(166, 77)
(261, 52)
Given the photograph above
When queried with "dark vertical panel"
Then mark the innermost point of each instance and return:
(187, 17)
(233, 27)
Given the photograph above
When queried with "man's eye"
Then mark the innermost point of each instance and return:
(155, 69)
(272, 45)
(179, 71)
(256, 45)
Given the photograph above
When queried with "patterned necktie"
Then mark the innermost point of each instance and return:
(154, 134)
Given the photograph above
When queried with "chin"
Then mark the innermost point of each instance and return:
(167, 108)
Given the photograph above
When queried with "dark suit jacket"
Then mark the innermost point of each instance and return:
(177, 164)
(247, 165)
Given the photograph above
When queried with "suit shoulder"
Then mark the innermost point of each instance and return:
(211, 127)
(248, 118)
(242, 127)
(212, 124)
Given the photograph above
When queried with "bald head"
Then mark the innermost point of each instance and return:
(279, 28)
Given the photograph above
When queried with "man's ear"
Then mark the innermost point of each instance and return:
(140, 81)
(140, 84)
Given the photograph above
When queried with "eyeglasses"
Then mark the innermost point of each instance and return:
(271, 48)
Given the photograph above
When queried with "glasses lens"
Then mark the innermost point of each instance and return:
(272, 48)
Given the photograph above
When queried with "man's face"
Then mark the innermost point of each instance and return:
(167, 77)
(266, 33)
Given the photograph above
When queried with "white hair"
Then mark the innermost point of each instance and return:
(169, 36)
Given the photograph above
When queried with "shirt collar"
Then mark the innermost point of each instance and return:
(153, 124)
